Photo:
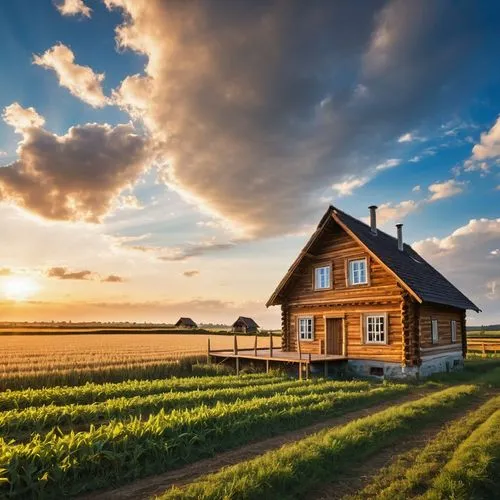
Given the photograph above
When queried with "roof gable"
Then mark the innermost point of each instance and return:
(416, 275)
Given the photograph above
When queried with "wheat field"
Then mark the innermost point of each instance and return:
(45, 360)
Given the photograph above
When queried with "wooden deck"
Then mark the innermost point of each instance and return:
(273, 355)
(264, 353)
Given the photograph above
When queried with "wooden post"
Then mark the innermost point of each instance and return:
(299, 348)
(237, 366)
(271, 344)
(267, 366)
(300, 370)
(255, 346)
(235, 347)
(308, 367)
(484, 350)
(208, 351)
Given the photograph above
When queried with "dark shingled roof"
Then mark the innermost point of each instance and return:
(249, 322)
(186, 322)
(412, 270)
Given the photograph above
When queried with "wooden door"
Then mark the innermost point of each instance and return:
(334, 336)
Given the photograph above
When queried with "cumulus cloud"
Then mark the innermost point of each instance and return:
(113, 278)
(289, 117)
(22, 118)
(63, 273)
(81, 81)
(390, 211)
(76, 176)
(191, 274)
(73, 8)
(489, 146)
(464, 258)
(416, 188)
(441, 190)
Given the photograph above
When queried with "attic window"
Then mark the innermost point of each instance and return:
(322, 277)
(357, 272)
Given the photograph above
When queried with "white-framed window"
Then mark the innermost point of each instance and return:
(376, 328)
(306, 328)
(358, 274)
(434, 331)
(453, 330)
(322, 277)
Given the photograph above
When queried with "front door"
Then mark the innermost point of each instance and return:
(334, 336)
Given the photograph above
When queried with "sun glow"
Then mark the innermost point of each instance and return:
(20, 288)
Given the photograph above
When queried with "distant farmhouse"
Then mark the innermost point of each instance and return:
(245, 325)
(186, 323)
(358, 294)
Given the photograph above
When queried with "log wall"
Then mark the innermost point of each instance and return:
(444, 315)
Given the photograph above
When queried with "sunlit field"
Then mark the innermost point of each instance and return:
(285, 438)
(46, 360)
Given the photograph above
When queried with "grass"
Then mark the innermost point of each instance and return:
(58, 466)
(412, 473)
(474, 470)
(294, 469)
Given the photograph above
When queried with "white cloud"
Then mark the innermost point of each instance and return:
(22, 118)
(489, 147)
(408, 137)
(416, 188)
(441, 190)
(389, 211)
(73, 176)
(81, 81)
(390, 163)
(73, 8)
(347, 187)
(461, 258)
(495, 252)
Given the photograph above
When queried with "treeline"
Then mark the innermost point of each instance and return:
(484, 328)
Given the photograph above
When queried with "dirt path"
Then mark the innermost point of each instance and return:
(155, 485)
(361, 475)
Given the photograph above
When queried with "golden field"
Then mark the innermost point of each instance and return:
(44, 360)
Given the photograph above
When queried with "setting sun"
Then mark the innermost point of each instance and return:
(20, 288)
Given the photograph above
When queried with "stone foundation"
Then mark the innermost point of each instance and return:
(432, 364)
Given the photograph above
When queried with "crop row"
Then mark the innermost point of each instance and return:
(14, 423)
(294, 469)
(183, 366)
(59, 466)
(92, 392)
(414, 471)
(474, 469)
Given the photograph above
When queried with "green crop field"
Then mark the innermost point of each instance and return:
(65, 442)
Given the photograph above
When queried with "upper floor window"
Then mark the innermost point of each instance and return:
(434, 331)
(358, 272)
(376, 329)
(322, 277)
(306, 328)
(453, 330)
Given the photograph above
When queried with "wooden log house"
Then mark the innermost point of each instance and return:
(186, 323)
(359, 294)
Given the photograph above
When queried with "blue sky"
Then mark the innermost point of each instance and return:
(241, 122)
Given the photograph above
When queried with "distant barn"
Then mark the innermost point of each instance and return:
(245, 325)
(186, 323)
